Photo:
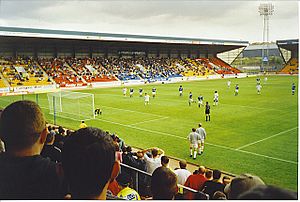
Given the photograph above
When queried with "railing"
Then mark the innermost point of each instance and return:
(135, 184)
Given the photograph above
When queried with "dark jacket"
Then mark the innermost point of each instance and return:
(32, 177)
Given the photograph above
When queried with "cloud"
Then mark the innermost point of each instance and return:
(202, 19)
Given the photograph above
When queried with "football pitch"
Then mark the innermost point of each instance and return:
(248, 133)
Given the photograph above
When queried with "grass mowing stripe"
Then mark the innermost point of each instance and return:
(127, 110)
(282, 132)
(215, 145)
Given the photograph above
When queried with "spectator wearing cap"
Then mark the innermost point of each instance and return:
(195, 182)
(163, 184)
(89, 163)
(49, 150)
(241, 184)
(24, 173)
(127, 192)
(182, 173)
(211, 186)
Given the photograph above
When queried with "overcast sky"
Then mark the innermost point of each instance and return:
(237, 20)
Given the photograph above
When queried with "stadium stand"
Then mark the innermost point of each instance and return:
(223, 67)
(291, 67)
(90, 69)
(61, 72)
(80, 71)
(22, 72)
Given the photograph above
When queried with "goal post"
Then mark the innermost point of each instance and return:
(72, 105)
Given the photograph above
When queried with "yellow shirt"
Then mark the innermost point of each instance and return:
(129, 194)
(82, 125)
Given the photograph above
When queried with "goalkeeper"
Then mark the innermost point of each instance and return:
(98, 111)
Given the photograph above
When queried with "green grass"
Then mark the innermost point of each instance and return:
(238, 121)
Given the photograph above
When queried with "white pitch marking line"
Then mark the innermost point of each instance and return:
(147, 121)
(133, 111)
(215, 145)
(282, 132)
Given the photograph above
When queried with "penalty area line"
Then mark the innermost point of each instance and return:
(277, 134)
(215, 145)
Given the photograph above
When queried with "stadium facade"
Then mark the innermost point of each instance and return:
(57, 43)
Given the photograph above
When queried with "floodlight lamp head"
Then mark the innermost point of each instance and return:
(266, 9)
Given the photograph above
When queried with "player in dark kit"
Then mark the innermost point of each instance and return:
(190, 98)
(236, 89)
(131, 92)
(293, 88)
(98, 111)
(207, 112)
(153, 92)
(141, 92)
(200, 100)
(180, 90)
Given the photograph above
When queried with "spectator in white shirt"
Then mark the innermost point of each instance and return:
(182, 173)
(155, 161)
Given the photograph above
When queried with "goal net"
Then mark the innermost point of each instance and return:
(72, 105)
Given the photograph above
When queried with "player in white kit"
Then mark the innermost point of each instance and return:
(216, 98)
(194, 139)
(147, 99)
(201, 131)
(124, 92)
(228, 83)
(258, 88)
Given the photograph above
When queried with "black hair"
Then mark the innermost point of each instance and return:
(88, 158)
(164, 160)
(216, 174)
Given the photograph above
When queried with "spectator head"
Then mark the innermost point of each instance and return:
(140, 155)
(218, 195)
(89, 163)
(182, 164)
(23, 128)
(50, 138)
(208, 174)
(226, 180)
(124, 180)
(194, 129)
(241, 184)
(164, 161)
(216, 174)
(154, 153)
(202, 170)
(163, 184)
(263, 192)
(128, 149)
